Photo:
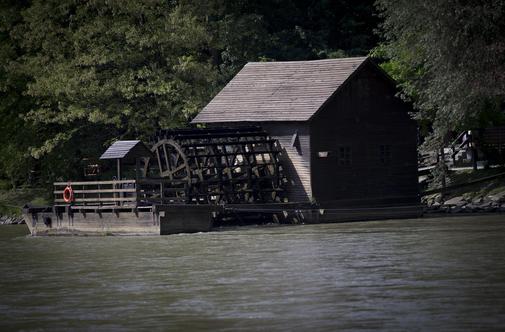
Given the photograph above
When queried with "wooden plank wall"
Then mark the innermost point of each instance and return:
(295, 159)
(364, 115)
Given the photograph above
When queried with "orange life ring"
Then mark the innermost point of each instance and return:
(68, 194)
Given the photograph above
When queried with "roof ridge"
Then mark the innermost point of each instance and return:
(306, 61)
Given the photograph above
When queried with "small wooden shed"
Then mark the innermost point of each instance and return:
(127, 152)
(348, 140)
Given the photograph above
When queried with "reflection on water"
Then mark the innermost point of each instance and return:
(391, 275)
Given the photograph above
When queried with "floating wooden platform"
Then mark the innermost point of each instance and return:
(167, 219)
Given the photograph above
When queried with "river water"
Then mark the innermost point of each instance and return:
(424, 274)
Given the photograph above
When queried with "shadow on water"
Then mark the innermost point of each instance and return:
(421, 274)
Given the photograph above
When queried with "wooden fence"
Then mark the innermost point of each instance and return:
(123, 193)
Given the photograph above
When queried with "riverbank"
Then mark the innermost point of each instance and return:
(485, 197)
(6, 220)
(12, 202)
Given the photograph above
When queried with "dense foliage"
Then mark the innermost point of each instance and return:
(449, 57)
(78, 74)
(82, 73)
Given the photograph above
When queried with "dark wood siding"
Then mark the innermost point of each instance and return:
(367, 118)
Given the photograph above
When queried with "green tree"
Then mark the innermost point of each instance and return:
(450, 59)
(119, 66)
(15, 135)
(89, 72)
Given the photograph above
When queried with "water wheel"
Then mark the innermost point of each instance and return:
(171, 160)
(218, 165)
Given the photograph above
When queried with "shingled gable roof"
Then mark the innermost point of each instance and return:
(126, 150)
(279, 91)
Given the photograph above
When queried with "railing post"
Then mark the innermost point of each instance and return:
(115, 193)
(453, 155)
(137, 193)
(136, 182)
(162, 191)
(121, 193)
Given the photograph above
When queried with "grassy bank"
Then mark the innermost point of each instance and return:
(487, 190)
(12, 201)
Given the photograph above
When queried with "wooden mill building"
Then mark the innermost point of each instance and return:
(347, 139)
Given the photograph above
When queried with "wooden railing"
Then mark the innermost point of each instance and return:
(124, 193)
(161, 191)
(461, 143)
(117, 192)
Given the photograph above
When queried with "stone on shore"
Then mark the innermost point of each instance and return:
(9, 220)
(456, 201)
(498, 197)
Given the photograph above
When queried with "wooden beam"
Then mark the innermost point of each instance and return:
(82, 183)
(103, 199)
(98, 191)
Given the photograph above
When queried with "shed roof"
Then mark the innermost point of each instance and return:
(279, 91)
(127, 150)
